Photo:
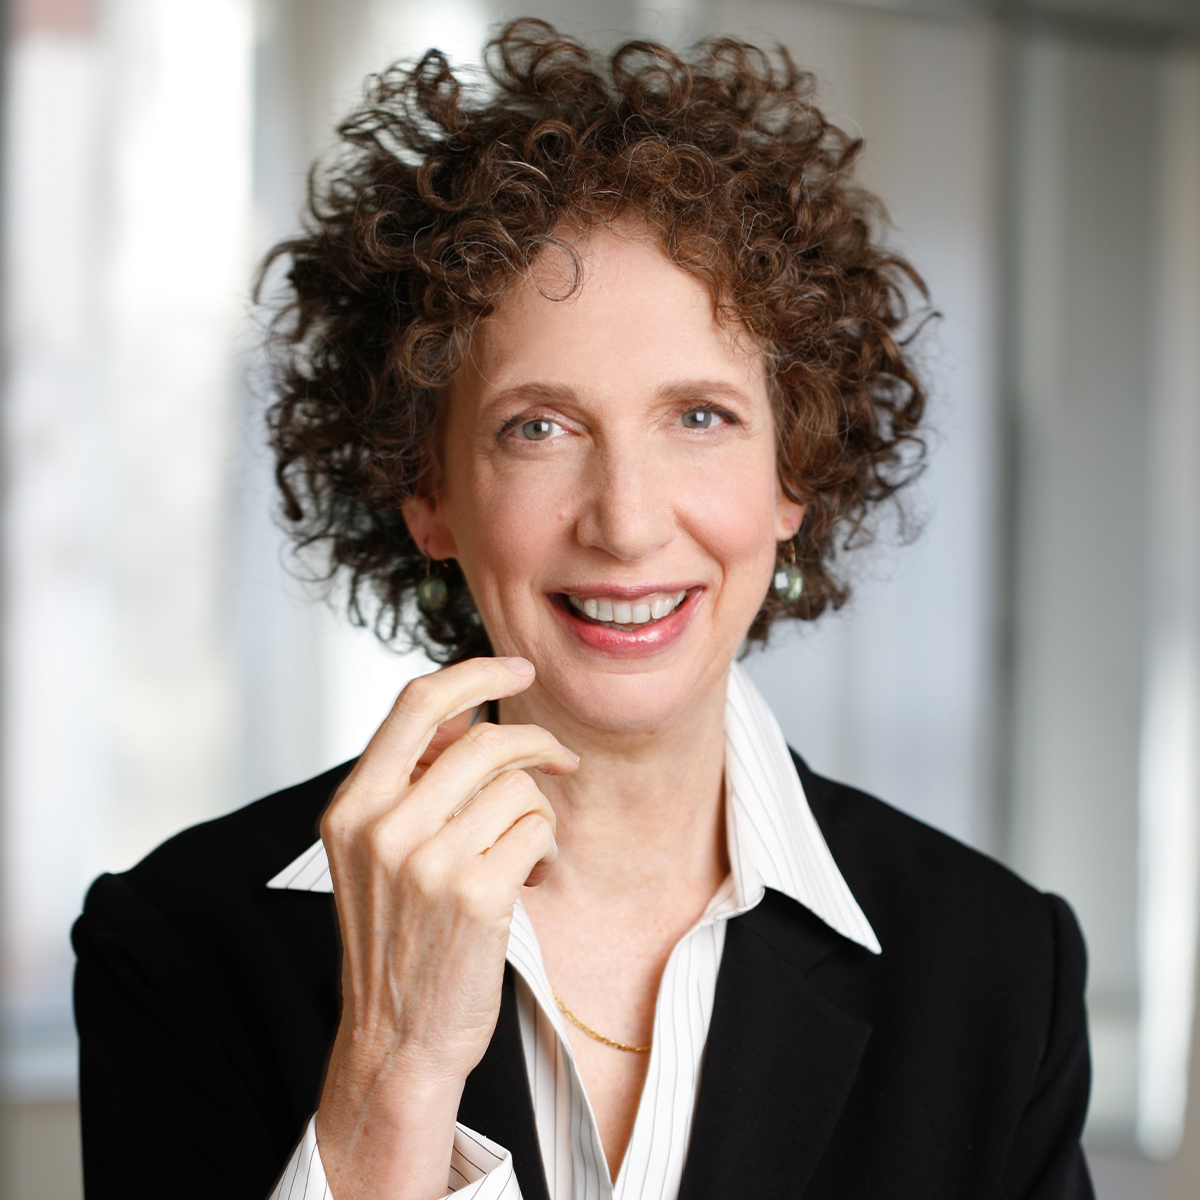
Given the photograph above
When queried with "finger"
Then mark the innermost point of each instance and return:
(451, 783)
(479, 756)
(541, 869)
(446, 734)
(422, 707)
(526, 851)
(498, 807)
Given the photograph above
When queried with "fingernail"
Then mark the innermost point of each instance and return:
(572, 754)
(519, 666)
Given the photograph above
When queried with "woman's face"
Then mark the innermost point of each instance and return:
(608, 485)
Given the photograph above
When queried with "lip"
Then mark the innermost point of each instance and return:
(626, 592)
(633, 643)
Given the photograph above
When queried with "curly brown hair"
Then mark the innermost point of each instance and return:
(443, 192)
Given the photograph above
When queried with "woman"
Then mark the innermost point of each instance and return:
(601, 367)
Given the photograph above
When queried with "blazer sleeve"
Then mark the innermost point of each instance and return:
(164, 1110)
(1046, 1161)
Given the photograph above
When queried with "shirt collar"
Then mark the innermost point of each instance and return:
(774, 839)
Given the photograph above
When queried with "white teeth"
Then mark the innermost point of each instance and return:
(622, 612)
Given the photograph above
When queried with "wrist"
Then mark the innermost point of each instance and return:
(395, 1070)
(385, 1127)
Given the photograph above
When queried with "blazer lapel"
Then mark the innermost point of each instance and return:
(779, 1063)
(496, 1100)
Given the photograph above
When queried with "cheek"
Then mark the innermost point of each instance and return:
(732, 513)
(511, 523)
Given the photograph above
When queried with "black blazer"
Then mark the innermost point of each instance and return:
(954, 1064)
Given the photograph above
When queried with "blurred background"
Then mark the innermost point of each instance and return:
(1025, 676)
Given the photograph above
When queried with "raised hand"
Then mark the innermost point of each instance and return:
(430, 840)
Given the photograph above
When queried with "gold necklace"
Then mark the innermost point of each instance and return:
(566, 1012)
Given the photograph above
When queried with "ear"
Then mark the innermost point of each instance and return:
(425, 516)
(789, 514)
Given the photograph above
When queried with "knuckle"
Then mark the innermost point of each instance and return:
(535, 734)
(537, 832)
(426, 870)
(335, 828)
(486, 738)
(417, 697)
(386, 838)
(546, 737)
(371, 843)
(517, 785)
(476, 896)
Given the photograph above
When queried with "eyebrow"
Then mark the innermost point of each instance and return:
(702, 389)
(546, 392)
(682, 390)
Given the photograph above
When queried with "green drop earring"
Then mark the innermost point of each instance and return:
(432, 593)
(789, 579)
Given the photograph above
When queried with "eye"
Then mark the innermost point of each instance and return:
(539, 429)
(700, 418)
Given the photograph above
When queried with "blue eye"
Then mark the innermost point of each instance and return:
(538, 429)
(699, 418)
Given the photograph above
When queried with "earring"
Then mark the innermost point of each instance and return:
(431, 591)
(789, 579)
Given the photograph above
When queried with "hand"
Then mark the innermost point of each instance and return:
(430, 839)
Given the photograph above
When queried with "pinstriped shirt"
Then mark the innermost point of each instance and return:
(774, 842)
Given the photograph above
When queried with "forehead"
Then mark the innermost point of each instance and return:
(608, 314)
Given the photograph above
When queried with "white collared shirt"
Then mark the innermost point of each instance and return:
(774, 842)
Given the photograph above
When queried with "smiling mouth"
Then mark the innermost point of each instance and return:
(614, 613)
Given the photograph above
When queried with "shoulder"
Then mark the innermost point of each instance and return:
(246, 847)
(206, 1001)
(978, 1050)
(221, 865)
(930, 895)
(195, 925)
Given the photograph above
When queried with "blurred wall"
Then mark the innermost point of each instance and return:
(1023, 676)
(1105, 400)
(127, 206)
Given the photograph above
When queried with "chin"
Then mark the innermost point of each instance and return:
(625, 702)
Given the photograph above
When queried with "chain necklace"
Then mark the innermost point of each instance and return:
(566, 1012)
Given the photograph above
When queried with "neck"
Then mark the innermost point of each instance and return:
(644, 814)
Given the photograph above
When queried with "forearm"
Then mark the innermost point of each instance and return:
(385, 1129)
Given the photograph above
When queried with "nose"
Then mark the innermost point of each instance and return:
(626, 509)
